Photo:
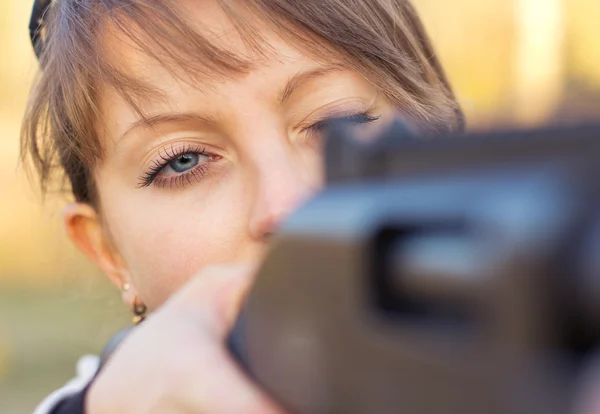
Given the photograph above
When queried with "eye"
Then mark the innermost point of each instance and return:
(178, 167)
(315, 132)
(356, 119)
(184, 162)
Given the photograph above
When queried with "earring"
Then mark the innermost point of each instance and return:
(139, 310)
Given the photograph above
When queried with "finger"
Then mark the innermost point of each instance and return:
(226, 389)
(587, 398)
(215, 295)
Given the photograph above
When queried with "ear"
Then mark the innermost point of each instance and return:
(84, 227)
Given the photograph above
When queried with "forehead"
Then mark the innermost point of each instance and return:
(200, 47)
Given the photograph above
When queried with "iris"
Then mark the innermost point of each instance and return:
(184, 162)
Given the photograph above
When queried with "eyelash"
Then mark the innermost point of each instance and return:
(152, 176)
(361, 118)
(165, 158)
(354, 119)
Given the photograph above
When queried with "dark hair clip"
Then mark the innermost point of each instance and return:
(36, 25)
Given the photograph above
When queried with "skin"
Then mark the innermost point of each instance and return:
(262, 161)
(188, 248)
(175, 362)
(178, 243)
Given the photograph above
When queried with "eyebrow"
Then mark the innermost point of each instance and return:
(149, 122)
(301, 78)
(291, 86)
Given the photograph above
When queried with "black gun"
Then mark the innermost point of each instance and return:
(456, 274)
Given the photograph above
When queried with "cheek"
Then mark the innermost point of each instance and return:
(166, 236)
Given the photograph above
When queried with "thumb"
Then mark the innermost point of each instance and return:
(216, 294)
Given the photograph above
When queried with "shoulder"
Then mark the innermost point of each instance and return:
(87, 367)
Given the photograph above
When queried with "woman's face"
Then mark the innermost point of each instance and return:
(221, 162)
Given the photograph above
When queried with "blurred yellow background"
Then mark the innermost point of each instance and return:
(512, 62)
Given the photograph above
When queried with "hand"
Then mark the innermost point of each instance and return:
(176, 361)
(587, 399)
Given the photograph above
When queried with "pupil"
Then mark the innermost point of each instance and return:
(184, 162)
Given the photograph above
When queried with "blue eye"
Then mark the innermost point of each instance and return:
(178, 167)
(185, 162)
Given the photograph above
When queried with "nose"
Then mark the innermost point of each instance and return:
(282, 184)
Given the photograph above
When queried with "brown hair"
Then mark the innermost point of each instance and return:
(382, 39)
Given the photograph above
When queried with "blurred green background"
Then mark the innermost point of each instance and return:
(512, 62)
